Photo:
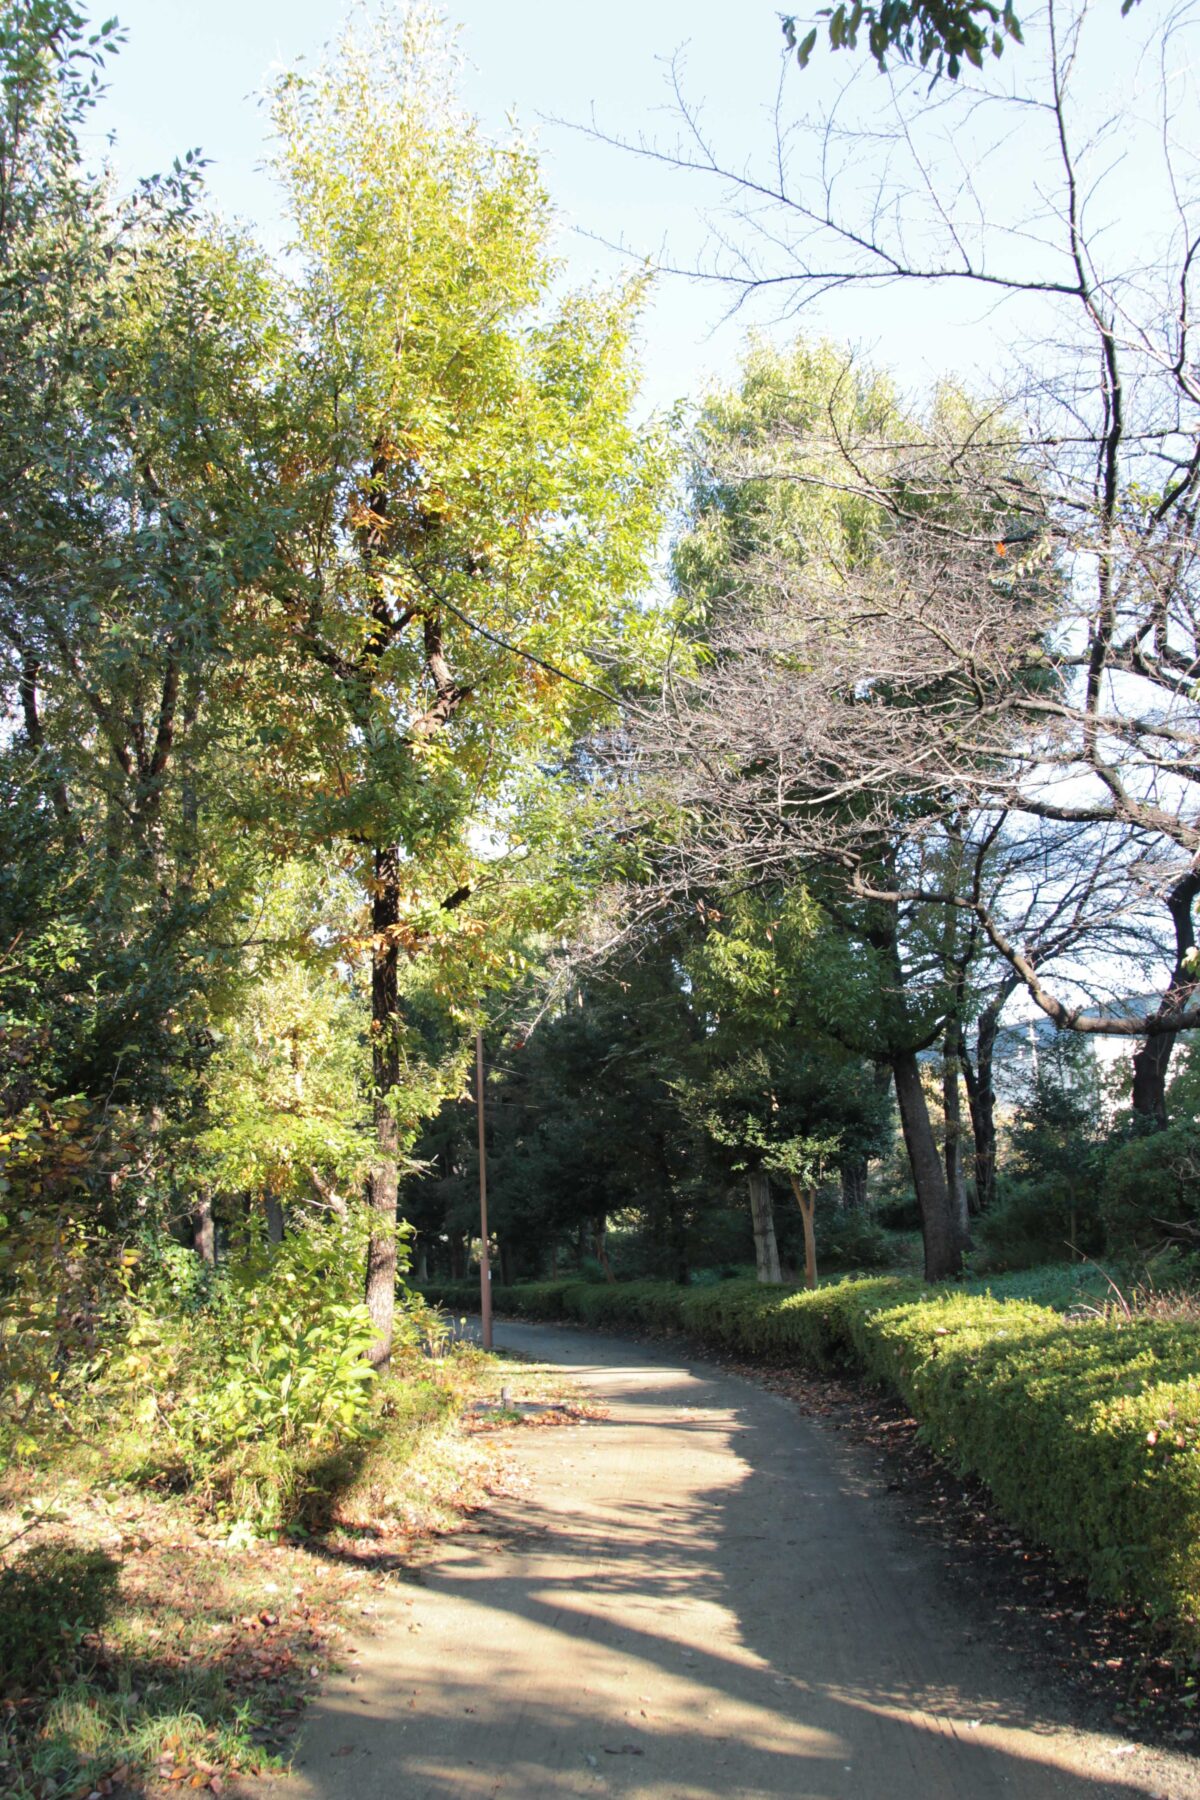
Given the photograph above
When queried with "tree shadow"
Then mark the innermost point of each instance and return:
(759, 1625)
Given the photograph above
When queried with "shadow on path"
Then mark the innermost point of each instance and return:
(703, 1595)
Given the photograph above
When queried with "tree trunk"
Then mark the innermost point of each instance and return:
(956, 1179)
(274, 1211)
(981, 1096)
(678, 1234)
(677, 1222)
(204, 1236)
(854, 1184)
(600, 1246)
(421, 1271)
(383, 1180)
(807, 1200)
(766, 1250)
(943, 1253)
(1153, 1055)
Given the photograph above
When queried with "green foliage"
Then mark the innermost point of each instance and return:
(1060, 1286)
(1055, 1155)
(274, 1353)
(1026, 1226)
(1086, 1433)
(942, 34)
(284, 1095)
(292, 1350)
(587, 1123)
(850, 1238)
(1150, 1193)
(53, 1598)
(464, 454)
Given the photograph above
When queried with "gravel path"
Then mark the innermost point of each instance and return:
(704, 1594)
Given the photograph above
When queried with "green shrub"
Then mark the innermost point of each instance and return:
(1035, 1222)
(275, 1357)
(1086, 1433)
(899, 1212)
(1150, 1194)
(52, 1598)
(849, 1238)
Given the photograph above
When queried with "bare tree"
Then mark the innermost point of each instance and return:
(1026, 639)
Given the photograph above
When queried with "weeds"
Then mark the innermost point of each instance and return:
(194, 1641)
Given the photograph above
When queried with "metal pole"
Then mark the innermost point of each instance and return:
(485, 1267)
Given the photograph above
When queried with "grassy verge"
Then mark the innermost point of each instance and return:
(1085, 1429)
(146, 1642)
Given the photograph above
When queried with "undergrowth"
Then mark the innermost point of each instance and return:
(158, 1637)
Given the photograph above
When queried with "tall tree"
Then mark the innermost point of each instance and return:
(135, 528)
(751, 754)
(478, 511)
(1067, 621)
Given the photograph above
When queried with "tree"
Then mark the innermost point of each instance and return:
(751, 755)
(477, 511)
(134, 376)
(283, 1125)
(1074, 690)
(588, 1126)
(778, 1083)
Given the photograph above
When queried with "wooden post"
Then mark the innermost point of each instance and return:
(485, 1268)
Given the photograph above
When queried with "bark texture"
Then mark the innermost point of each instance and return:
(204, 1236)
(956, 1177)
(383, 1180)
(806, 1199)
(766, 1250)
(1152, 1057)
(943, 1252)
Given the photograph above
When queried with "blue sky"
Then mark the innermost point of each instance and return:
(192, 70)
(189, 74)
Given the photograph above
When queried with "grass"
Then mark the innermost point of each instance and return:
(1059, 1286)
(217, 1636)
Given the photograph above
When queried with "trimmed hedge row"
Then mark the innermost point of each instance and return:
(1087, 1434)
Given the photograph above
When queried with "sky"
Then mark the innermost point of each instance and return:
(192, 72)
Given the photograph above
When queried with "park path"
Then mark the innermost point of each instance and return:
(704, 1594)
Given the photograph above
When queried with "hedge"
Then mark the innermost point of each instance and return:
(1087, 1433)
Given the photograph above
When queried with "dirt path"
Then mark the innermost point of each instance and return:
(703, 1595)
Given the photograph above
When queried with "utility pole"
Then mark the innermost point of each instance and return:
(485, 1267)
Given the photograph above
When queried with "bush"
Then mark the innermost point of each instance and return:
(52, 1599)
(1150, 1194)
(256, 1382)
(1085, 1433)
(1034, 1222)
(899, 1212)
(273, 1356)
(849, 1238)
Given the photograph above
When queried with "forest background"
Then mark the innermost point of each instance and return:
(792, 775)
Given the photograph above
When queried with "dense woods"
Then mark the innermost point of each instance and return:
(797, 791)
